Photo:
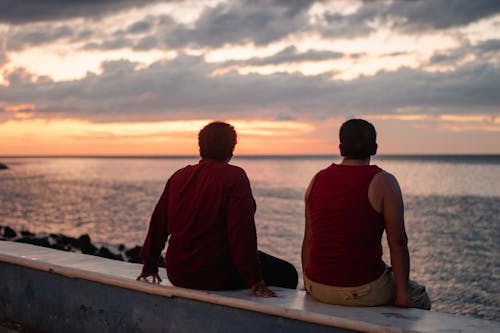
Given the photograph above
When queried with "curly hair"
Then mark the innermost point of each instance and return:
(217, 141)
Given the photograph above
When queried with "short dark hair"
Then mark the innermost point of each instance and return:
(358, 139)
(217, 141)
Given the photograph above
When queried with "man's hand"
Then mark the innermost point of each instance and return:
(403, 301)
(259, 289)
(144, 277)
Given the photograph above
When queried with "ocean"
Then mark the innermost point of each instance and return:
(452, 210)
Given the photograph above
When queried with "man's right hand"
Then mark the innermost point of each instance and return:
(403, 301)
(259, 289)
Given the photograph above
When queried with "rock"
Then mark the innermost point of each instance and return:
(3, 166)
(65, 241)
(134, 255)
(35, 241)
(26, 233)
(9, 233)
(84, 240)
(85, 245)
(82, 244)
(106, 253)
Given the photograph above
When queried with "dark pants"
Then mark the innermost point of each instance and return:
(276, 272)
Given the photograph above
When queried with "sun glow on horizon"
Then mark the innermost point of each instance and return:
(255, 136)
(80, 137)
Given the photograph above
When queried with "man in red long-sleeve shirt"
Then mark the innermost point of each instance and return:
(208, 210)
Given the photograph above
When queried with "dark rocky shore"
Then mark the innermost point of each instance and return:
(3, 166)
(82, 244)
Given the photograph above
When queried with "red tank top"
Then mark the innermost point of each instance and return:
(346, 247)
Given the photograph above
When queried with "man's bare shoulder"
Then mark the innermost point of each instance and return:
(385, 181)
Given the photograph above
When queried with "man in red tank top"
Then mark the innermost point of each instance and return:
(348, 207)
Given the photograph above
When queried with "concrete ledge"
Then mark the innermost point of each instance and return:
(62, 291)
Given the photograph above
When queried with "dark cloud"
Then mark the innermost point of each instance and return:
(146, 43)
(233, 22)
(442, 58)
(469, 89)
(492, 45)
(485, 51)
(19, 76)
(288, 55)
(258, 21)
(291, 54)
(357, 24)
(140, 27)
(18, 39)
(416, 16)
(3, 56)
(143, 35)
(240, 21)
(407, 16)
(186, 88)
(27, 11)
(111, 44)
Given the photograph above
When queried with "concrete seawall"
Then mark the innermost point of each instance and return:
(60, 291)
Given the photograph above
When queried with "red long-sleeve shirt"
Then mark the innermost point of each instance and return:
(208, 210)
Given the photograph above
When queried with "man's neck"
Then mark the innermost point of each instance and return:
(354, 162)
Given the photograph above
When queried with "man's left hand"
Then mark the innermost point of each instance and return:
(145, 276)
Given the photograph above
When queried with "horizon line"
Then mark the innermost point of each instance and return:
(250, 155)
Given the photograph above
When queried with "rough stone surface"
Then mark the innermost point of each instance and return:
(81, 244)
(8, 233)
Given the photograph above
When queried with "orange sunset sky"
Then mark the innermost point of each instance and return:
(142, 77)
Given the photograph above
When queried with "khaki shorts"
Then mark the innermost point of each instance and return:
(382, 291)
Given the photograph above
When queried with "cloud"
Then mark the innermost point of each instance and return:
(3, 55)
(422, 15)
(140, 27)
(111, 44)
(260, 22)
(146, 34)
(352, 25)
(492, 45)
(470, 88)
(291, 54)
(263, 22)
(28, 11)
(288, 55)
(407, 16)
(185, 88)
(485, 51)
(18, 39)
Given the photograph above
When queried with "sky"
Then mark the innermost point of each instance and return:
(125, 77)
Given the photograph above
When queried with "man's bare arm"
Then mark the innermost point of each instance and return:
(393, 211)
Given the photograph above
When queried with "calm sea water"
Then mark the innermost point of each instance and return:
(452, 211)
